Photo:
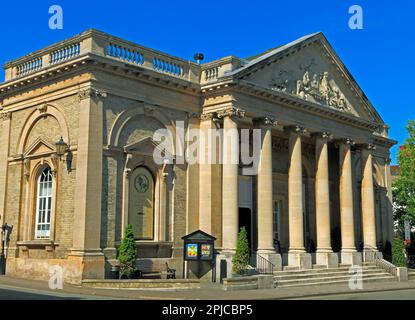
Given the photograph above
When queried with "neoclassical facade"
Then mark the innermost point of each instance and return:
(321, 196)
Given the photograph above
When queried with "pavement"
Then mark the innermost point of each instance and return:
(16, 288)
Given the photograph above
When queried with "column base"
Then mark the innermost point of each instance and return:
(327, 259)
(86, 264)
(274, 258)
(352, 258)
(301, 260)
(369, 255)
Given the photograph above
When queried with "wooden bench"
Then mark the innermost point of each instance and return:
(157, 273)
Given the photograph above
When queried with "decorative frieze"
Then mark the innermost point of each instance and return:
(91, 93)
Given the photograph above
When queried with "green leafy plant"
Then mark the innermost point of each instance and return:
(398, 255)
(404, 186)
(127, 252)
(241, 258)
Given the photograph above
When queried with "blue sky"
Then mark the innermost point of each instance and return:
(380, 57)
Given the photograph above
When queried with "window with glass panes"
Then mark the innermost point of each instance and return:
(276, 220)
(44, 204)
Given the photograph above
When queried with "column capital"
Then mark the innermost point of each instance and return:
(231, 112)
(205, 116)
(5, 116)
(91, 93)
(296, 129)
(346, 141)
(265, 121)
(327, 135)
(368, 146)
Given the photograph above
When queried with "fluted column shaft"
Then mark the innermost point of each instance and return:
(368, 200)
(322, 194)
(295, 193)
(346, 198)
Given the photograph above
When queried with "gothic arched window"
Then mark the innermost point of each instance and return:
(44, 204)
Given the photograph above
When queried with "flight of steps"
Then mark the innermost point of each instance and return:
(320, 276)
(411, 274)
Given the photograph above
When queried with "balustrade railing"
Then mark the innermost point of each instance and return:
(101, 44)
(29, 66)
(66, 53)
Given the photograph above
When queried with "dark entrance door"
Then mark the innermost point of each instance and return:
(245, 220)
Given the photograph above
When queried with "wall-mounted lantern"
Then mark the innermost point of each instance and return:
(61, 149)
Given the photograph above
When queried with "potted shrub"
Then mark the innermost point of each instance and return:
(127, 254)
(241, 258)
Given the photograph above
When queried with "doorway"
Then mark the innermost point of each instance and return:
(245, 220)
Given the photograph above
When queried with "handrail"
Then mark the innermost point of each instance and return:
(261, 264)
(382, 263)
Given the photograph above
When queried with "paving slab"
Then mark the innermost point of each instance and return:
(208, 291)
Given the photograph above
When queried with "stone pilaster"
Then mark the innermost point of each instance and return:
(264, 194)
(368, 200)
(297, 257)
(349, 255)
(5, 121)
(87, 214)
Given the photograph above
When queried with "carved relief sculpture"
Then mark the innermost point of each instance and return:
(316, 89)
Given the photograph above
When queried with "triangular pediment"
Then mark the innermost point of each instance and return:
(146, 146)
(39, 147)
(309, 69)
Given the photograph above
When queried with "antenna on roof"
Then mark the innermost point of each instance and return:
(198, 57)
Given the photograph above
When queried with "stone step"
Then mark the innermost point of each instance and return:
(323, 274)
(329, 278)
(411, 274)
(311, 271)
(336, 281)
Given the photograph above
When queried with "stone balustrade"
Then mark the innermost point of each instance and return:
(94, 42)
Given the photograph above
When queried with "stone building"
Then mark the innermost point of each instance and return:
(321, 195)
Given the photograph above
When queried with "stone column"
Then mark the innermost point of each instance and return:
(86, 251)
(265, 193)
(5, 120)
(230, 211)
(349, 255)
(163, 204)
(297, 257)
(324, 253)
(205, 174)
(368, 201)
(192, 175)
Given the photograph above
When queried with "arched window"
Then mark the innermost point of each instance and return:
(44, 204)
